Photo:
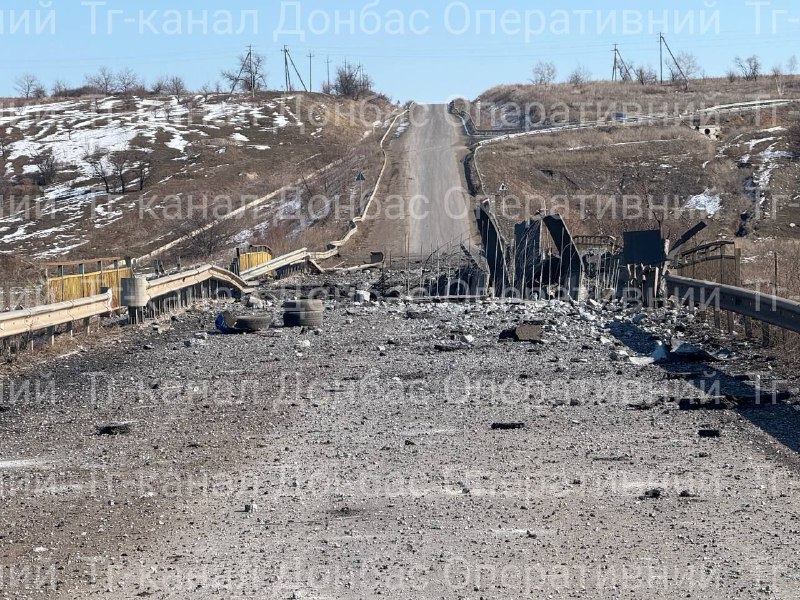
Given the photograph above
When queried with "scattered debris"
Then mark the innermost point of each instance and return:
(654, 494)
(507, 426)
(709, 433)
(529, 332)
(114, 429)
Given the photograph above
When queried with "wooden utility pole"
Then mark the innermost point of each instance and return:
(287, 75)
(328, 62)
(310, 80)
(252, 73)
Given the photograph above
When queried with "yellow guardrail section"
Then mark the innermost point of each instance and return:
(250, 260)
(66, 288)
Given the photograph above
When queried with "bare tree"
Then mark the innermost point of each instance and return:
(175, 86)
(101, 167)
(128, 82)
(688, 64)
(142, 164)
(159, 86)
(120, 163)
(104, 81)
(645, 75)
(46, 165)
(208, 236)
(749, 67)
(26, 85)
(351, 82)
(732, 76)
(579, 76)
(791, 65)
(780, 79)
(250, 74)
(544, 73)
(60, 88)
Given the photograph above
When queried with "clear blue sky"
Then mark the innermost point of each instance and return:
(430, 63)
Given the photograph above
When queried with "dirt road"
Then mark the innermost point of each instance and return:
(423, 204)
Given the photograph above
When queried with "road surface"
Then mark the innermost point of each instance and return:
(423, 204)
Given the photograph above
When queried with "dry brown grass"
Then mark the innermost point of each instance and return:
(505, 104)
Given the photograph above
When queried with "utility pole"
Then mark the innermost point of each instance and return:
(310, 84)
(661, 54)
(675, 60)
(614, 75)
(252, 73)
(287, 76)
(328, 62)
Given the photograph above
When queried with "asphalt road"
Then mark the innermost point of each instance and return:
(422, 204)
(440, 211)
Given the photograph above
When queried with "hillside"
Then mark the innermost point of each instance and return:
(612, 176)
(120, 176)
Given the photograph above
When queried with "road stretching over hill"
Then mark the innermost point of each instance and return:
(422, 204)
(440, 207)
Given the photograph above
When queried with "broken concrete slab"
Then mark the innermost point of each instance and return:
(529, 332)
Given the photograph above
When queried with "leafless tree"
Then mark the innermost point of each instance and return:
(351, 82)
(101, 167)
(208, 236)
(60, 88)
(544, 73)
(142, 164)
(159, 86)
(26, 85)
(780, 79)
(688, 64)
(104, 81)
(46, 165)
(645, 75)
(250, 74)
(791, 65)
(579, 76)
(128, 82)
(732, 76)
(176, 86)
(120, 163)
(749, 67)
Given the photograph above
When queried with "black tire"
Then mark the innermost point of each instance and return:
(253, 323)
(303, 306)
(302, 319)
(303, 313)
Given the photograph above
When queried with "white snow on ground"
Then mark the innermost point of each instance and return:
(72, 129)
(707, 201)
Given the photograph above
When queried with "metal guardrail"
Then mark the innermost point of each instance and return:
(172, 284)
(769, 309)
(286, 260)
(303, 255)
(20, 322)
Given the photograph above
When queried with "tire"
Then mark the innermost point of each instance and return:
(303, 313)
(253, 323)
(304, 305)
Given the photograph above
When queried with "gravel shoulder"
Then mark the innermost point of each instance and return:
(359, 461)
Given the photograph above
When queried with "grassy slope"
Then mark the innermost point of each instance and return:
(206, 156)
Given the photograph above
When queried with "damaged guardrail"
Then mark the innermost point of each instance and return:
(303, 255)
(46, 318)
(768, 309)
(153, 297)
